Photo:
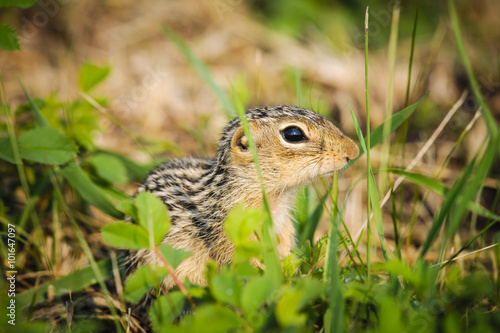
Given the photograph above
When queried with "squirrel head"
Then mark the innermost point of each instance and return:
(294, 147)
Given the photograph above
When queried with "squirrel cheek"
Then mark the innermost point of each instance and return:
(334, 161)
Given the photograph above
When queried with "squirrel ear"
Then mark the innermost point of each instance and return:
(239, 142)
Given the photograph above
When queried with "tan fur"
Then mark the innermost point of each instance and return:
(200, 193)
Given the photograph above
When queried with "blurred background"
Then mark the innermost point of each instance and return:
(261, 48)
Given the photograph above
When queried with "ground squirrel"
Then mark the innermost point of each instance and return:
(294, 146)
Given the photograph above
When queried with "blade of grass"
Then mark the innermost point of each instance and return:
(367, 151)
(377, 135)
(115, 121)
(40, 119)
(392, 51)
(361, 265)
(410, 62)
(377, 213)
(30, 204)
(442, 190)
(38, 239)
(418, 207)
(424, 149)
(467, 244)
(471, 189)
(74, 281)
(490, 121)
(330, 189)
(100, 277)
(394, 215)
(271, 259)
(403, 133)
(81, 182)
(445, 208)
(373, 197)
(56, 232)
(19, 231)
(202, 71)
(313, 222)
(331, 273)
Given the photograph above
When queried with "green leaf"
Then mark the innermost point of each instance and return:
(9, 41)
(287, 310)
(290, 306)
(125, 236)
(128, 207)
(6, 152)
(143, 280)
(245, 270)
(46, 145)
(255, 293)
(134, 170)
(241, 222)
(109, 168)
(173, 256)
(153, 215)
(17, 3)
(212, 318)
(166, 308)
(91, 75)
(226, 287)
(74, 281)
(89, 191)
(391, 316)
(247, 250)
(401, 269)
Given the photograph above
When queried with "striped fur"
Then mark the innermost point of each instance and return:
(199, 193)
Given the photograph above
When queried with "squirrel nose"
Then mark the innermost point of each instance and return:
(351, 149)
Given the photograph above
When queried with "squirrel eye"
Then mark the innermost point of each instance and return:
(293, 134)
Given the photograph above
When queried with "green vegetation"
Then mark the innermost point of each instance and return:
(53, 158)
(9, 40)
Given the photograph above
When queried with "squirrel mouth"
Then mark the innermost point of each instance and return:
(328, 173)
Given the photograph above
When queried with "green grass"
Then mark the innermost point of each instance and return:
(376, 288)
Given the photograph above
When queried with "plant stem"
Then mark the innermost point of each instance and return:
(171, 271)
(368, 213)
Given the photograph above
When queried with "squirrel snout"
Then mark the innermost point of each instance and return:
(351, 150)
